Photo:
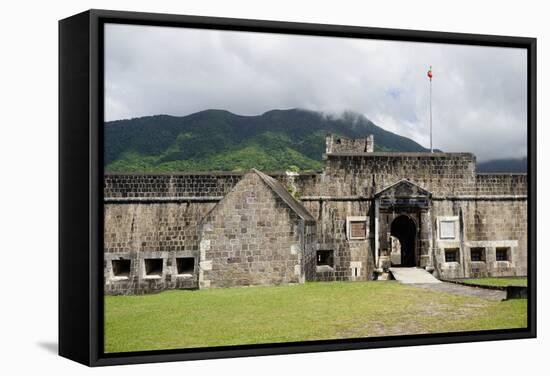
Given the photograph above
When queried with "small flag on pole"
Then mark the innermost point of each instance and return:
(430, 73)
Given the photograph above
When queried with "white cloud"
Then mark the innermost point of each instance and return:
(479, 93)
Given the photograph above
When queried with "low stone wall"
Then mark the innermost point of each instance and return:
(443, 174)
(138, 232)
(512, 292)
(170, 185)
(517, 292)
(196, 185)
(501, 184)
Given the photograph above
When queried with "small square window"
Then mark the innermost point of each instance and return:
(153, 267)
(356, 228)
(121, 268)
(447, 229)
(451, 255)
(185, 265)
(477, 254)
(503, 254)
(325, 258)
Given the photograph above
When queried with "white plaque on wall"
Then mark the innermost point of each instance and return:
(447, 229)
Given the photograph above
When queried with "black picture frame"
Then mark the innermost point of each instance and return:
(81, 185)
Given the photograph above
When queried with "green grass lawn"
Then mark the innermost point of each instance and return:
(516, 281)
(312, 311)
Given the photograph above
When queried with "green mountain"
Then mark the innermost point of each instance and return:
(220, 140)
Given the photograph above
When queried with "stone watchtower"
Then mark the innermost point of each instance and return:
(337, 144)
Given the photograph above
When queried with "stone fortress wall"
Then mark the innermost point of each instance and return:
(467, 224)
(191, 185)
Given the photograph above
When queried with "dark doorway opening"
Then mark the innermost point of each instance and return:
(404, 229)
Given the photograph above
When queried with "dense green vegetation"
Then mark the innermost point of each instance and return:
(220, 140)
(216, 317)
(509, 281)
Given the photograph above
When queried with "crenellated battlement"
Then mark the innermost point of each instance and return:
(338, 144)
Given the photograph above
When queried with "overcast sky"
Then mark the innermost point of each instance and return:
(479, 93)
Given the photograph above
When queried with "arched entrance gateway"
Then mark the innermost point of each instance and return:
(403, 247)
(403, 230)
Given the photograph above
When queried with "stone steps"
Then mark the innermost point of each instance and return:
(413, 275)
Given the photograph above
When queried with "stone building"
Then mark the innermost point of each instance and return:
(362, 214)
(257, 234)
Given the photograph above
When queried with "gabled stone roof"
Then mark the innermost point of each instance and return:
(281, 191)
(403, 188)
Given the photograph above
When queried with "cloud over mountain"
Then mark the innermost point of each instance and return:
(479, 93)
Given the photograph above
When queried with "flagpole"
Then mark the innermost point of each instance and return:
(431, 144)
(430, 75)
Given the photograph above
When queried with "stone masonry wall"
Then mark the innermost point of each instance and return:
(169, 185)
(350, 175)
(198, 184)
(441, 174)
(304, 184)
(251, 238)
(337, 144)
(500, 184)
(485, 225)
(308, 242)
(140, 231)
(332, 235)
(138, 225)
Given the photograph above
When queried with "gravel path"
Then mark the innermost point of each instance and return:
(454, 288)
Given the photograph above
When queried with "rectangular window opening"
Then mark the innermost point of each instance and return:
(477, 254)
(503, 254)
(153, 267)
(185, 265)
(325, 257)
(121, 268)
(451, 255)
